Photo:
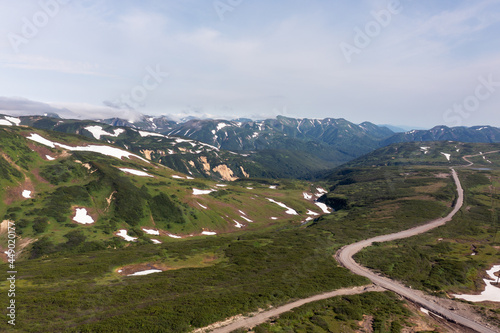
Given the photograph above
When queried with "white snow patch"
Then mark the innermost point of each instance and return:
(145, 134)
(289, 211)
(425, 149)
(246, 219)
(448, 156)
(273, 187)
(123, 234)
(490, 293)
(274, 218)
(321, 191)
(201, 192)
(221, 185)
(209, 233)
(26, 194)
(82, 217)
(221, 126)
(149, 271)
(151, 231)
(190, 178)
(155, 241)
(136, 172)
(238, 224)
(173, 236)
(249, 188)
(105, 150)
(50, 158)
(310, 212)
(97, 131)
(204, 207)
(177, 177)
(307, 196)
(13, 120)
(424, 311)
(323, 207)
(5, 122)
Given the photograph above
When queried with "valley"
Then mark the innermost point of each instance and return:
(102, 227)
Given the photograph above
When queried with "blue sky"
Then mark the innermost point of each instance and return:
(415, 63)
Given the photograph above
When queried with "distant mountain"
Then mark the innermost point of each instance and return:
(485, 134)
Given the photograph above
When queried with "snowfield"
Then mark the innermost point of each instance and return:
(97, 132)
(105, 150)
(136, 172)
(209, 233)
(490, 293)
(82, 217)
(151, 231)
(26, 194)
(201, 192)
(123, 234)
(323, 207)
(149, 271)
(290, 211)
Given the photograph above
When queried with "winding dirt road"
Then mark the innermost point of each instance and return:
(345, 257)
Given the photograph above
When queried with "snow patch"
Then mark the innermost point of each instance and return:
(310, 212)
(105, 150)
(82, 217)
(97, 132)
(307, 196)
(149, 271)
(246, 219)
(221, 126)
(289, 211)
(136, 172)
(26, 194)
(13, 120)
(201, 192)
(155, 241)
(490, 293)
(209, 233)
(448, 156)
(238, 224)
(151, 231)
(204, 207)
(145, 134)
(323, 207)
(4, 122)
(50, 158)
(173, 236)
(273, 187)
(123, 234)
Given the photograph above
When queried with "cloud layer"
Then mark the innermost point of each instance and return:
(263, 59)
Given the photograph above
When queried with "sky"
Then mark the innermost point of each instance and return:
(413, 63)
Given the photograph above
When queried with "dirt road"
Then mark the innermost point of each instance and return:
(345, 254)
(344, 257)
(266, 315)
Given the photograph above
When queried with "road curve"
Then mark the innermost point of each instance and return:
(345, 257)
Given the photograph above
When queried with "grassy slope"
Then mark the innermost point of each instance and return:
(247, 270)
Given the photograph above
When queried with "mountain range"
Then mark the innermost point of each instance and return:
(273, 148)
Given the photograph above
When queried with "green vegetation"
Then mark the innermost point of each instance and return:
(383, 312)
(441, 261)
